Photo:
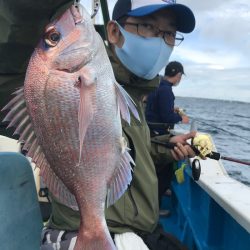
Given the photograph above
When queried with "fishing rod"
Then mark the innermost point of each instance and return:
(196, 166)
(160, 125)
(217, 156)
(213, 155)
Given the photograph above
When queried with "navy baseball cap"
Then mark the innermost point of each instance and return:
(174, 68)
(137, 8)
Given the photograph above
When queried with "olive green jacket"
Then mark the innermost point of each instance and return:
(138, 208)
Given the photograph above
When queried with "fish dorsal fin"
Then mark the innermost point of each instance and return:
(125, 103)
(121, 177)
(18, 117)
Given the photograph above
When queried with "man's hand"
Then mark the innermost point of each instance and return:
(176, 109)
(181, 112)
(185, 119)
(182, 150)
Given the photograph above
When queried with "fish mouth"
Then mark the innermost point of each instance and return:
(70, 51)
(72, 69)
(69, 70)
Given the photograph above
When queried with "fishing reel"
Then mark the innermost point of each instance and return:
(202, 146)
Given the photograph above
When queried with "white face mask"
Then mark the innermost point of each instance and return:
(145, 57)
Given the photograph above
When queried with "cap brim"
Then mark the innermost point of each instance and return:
(184, 16)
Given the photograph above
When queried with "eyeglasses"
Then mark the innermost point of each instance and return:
(149, 30)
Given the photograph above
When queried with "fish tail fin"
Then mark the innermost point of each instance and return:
(94, 240)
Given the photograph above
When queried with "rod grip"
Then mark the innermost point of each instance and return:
(213, 155)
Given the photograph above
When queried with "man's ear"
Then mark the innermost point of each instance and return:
(114, 35)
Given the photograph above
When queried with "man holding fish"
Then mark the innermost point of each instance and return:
(142, 35)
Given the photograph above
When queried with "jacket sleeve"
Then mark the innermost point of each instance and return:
(166, 106)
(160, 154)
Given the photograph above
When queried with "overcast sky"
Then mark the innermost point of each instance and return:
(216, 55)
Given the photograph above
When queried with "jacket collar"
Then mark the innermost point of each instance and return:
(166, 82)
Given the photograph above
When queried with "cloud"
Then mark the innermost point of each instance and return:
(216, 55)
(223, 29)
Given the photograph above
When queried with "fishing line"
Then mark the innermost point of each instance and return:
(218, 128)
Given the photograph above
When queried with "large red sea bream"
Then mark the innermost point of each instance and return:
(68, 114)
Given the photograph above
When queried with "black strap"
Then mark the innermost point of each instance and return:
(44, 193)
(160, 240)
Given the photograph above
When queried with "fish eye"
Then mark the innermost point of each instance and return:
(52, 37)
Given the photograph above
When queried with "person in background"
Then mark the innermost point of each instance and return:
(142, 36)
(160, 107)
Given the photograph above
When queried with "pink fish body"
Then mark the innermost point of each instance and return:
(68, 114)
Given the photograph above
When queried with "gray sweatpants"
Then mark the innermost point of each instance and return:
(53, 239)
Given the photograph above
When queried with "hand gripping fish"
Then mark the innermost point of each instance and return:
(68, 114)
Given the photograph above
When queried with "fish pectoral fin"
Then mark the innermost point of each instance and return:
(125, 103)
(120, 179)
(87, 107)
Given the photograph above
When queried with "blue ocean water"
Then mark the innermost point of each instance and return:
(228, 122)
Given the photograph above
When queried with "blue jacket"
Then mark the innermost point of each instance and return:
(160, 106)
